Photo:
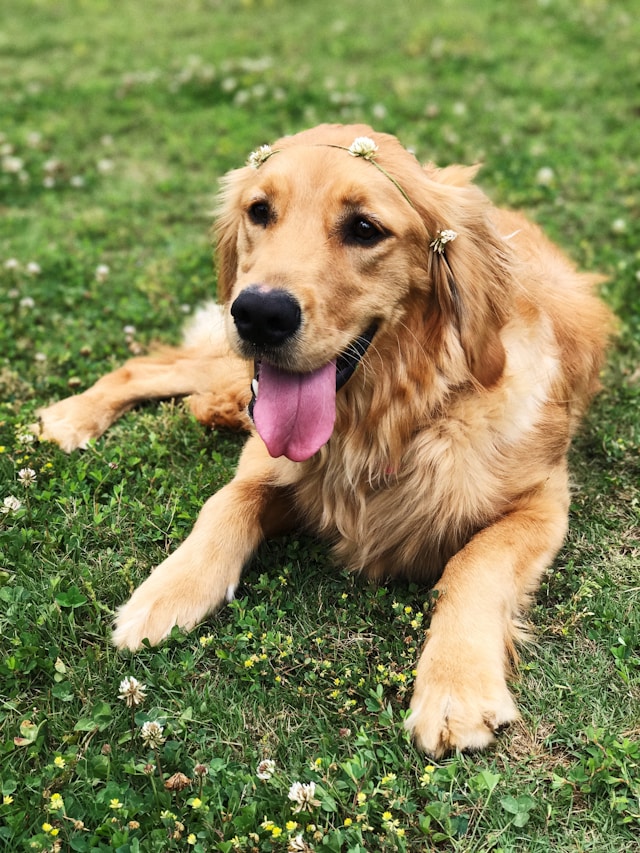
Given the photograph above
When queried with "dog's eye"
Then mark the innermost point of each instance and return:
(363, 231)
(260, 213)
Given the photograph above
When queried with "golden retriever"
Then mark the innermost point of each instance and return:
(420, 361)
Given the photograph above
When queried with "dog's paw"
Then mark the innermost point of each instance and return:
(68, 424)
(175, 593)
(459, 713)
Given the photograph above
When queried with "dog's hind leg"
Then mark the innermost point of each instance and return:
(215, 380)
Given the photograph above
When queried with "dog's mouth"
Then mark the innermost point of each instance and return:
(294, 413)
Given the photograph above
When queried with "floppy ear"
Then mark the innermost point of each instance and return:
(225, 231)
(472, 276)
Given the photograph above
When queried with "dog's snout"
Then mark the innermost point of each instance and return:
(266, 317)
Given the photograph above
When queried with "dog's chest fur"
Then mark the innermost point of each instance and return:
(406, 510)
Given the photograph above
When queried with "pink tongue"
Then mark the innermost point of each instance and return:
(294, 413)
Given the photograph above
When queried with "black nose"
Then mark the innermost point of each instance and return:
(266, 317)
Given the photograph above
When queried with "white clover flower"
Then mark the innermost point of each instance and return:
(27, 302)
(50, 167)
(151, 734)
(25, 438)
(129, 331)
(265, 769)
(132, 691)
(33, 268)
(363, 146)
(101, 273)
(619, 226)
(444, 236)
(259, 156)
(297, 845)
(11, 504)
(105, 166)
(12, 264)
(12, 165)
(545, 176)
(26, 477)
(77, 181)
(40, 357)
(303, 795)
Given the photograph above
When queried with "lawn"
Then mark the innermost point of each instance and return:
(116, 120)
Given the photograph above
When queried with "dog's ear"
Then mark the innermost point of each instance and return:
(472, 274)
(225, 231)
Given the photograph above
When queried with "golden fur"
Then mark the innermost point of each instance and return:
(447, 462)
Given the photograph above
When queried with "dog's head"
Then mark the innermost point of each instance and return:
(325, 246)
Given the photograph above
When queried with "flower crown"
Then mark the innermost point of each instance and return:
(366, 148)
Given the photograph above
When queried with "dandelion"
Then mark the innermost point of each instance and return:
(266, 769)
(132, 691)
(364, 147)
(260, 156)
(102, 272)
(446, 235)
(151, 734)
(303, 795)
(10, 504)
(26, 477)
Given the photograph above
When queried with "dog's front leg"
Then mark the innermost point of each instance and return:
(461, 696)
(205, 570)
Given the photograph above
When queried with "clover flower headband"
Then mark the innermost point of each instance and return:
(365, 147)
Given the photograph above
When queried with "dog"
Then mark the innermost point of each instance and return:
(411, 362)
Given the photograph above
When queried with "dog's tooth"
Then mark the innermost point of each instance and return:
(254, 387)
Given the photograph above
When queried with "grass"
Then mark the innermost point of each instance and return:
(116, 121)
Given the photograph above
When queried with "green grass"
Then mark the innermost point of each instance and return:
(130, 111)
